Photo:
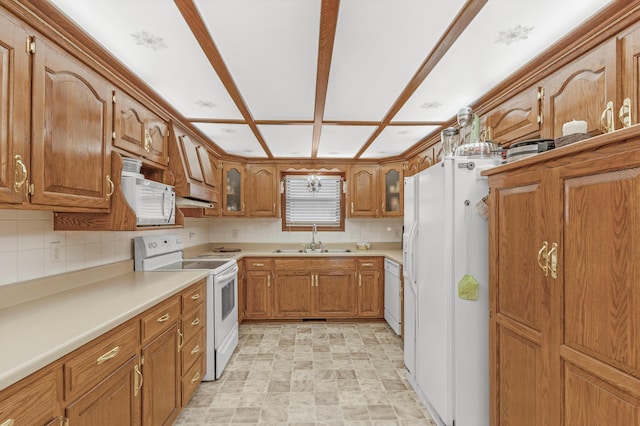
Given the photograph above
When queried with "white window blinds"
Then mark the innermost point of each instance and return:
(304, 207)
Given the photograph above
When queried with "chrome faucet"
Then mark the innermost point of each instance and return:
(314, 231)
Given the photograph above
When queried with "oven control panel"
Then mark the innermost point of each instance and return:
(155, 245)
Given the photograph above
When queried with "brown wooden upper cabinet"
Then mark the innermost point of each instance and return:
(363, 191)
(233, 189)
(631, 72)
(138, 130)
(263, 195)
(391, 187)
(70, 145)
(15, 89)
(193, 172)
(518, 118)
(581, 91)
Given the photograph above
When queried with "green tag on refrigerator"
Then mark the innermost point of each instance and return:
(468, 288)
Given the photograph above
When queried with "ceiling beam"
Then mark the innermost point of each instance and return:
(309, 122)
(193, 19)
(328, 24)
(468, 12)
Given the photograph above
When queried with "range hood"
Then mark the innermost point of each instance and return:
(184, 202)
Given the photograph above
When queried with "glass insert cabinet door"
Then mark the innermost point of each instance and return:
(233, 190)
(392, 186)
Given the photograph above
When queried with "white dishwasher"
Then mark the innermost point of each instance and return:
(392, 299)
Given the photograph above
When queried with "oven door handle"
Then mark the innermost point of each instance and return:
(225, 275)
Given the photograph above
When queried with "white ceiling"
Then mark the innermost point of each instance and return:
(270, 89)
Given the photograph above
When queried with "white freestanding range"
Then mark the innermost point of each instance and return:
(448, 242)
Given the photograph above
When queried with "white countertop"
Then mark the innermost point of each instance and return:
(40, 330)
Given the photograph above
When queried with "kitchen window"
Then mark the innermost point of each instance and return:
(309, 199)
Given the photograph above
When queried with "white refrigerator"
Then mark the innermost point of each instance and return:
(449, 243)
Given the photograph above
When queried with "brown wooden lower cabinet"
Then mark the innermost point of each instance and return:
(564, 300)
(114, 401)
(127, 376)
(313, 287)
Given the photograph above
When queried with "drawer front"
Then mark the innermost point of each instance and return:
(308, 264)
(258, 264)
(160, 318)
(193, 322)
(370, 264)
(191, 380)
(95, 361)
(193, 349)
(32, 401)
(194, 295)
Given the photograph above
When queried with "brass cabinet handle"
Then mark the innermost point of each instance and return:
(112, 187)
(382, 207)
(137, 384)
(195, 350)
(258, 265)
(543, 255)
(196, 377)
(8, 422)
(195, 296)
(352, 207)
(359, 280)
(107, 356)
(269, 280)
(242, 207)
(195, 322)
(163, 318)
(20, 179)
(180, 340)
(625, 113)
(553, 255)
(148, 142)
(606, 119)
(367, 264)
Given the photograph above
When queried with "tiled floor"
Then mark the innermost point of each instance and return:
(311, 374)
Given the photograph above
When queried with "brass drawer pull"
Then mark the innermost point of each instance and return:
(163, 318)
(258, 265)
(367, 264)
(195, 350)
(180, 340)
(106, 357)
(196, 377)
(195, 322)
(20, 179)
(8, 422)
(195, 296)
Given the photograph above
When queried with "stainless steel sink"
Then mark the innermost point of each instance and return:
(309, 251)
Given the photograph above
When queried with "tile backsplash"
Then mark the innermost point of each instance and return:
(30, 248)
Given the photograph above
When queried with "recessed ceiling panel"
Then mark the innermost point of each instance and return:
(153, 40)
(378, 48)
(504, 36)
(270, 48)
(288, 140)
(395, 140)
(343, 141)
(237, 139)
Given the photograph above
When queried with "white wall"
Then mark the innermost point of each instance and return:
(26, 237)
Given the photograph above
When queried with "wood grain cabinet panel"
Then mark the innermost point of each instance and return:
(581, 91)
(71, 140)
(15, 93)
(138, 130)
(517, 118)
(363, 192)
(336, 293)
(114, 401)
(258, 294)
(33, 401)
(264, 194)
(293, 294)
(161, 399)
(391, 188)
(370, 300)
(563, 288)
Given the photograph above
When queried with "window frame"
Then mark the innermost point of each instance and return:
(283, 202)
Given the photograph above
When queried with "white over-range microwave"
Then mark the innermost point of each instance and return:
(153, 202)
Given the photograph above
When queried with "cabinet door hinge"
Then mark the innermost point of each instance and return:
(31, 189)
(31, 44)
(113, 97)
(141, 359)
(540, 93)
(64, 421)
(113, 136)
